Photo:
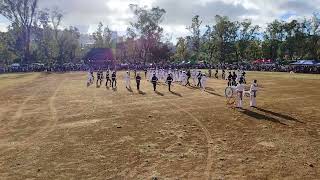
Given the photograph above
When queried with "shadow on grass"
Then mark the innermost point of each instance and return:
(213, 93)
(286, 117)
(259, 116)
(129, 89)
(159, 93)
(142, 93)
(176, 94)
(209, 89)
(192, 87)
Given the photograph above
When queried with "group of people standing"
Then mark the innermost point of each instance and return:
(240, 90)
(178, 76)
(168, 76)
(154, 76)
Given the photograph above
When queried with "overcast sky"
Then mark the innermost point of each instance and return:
(86, 14)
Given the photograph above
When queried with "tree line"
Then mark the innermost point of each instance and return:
(37, 35)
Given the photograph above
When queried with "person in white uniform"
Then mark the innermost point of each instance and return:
(194, 77)
(203, 81)
(253, 94)
(127, 80)
(90, 79)
(240, 92)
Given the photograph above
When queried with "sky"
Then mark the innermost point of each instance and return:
(86, 14)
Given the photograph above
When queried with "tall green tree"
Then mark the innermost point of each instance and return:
(147, 29)
(224, 34)
(195, 38)
(181, 50)
(21, 13)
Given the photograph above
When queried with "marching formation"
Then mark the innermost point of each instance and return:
(236, 81)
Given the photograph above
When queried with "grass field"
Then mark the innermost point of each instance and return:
(53, 127)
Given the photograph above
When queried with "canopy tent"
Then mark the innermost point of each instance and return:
(15, 65)
(305, 63)
(262, 61)
(100, 56)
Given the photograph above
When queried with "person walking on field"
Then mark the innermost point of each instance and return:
(108, 78)
(230, 83)
(127, 80)
(188, 78)
(240, 91)
(114, 80)
(154, 81)
(138, 80)
(203, 82)
(90, 79)
(253, 94)
(223, 76)
(216, 74)
(169, 81)
(199, 79)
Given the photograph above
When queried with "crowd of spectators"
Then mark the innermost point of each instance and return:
(84, 67)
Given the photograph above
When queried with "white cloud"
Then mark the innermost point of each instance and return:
(86, 14)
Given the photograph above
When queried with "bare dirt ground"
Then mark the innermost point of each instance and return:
(53, 127)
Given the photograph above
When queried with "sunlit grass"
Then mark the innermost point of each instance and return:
(7, 80)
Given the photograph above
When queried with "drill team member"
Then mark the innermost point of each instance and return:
(127, 80)
(138, 79)
(223, 74)
(230, 79)
(90, 79)
(203, 82)
(199, 79)
(188, 78)
(154, 81)
(244, 77)
(114, 79)
(169, 81)
(253, 94)
(99, 78)
(108, 78)
(216, 74)
(240, 91)
(234, 79)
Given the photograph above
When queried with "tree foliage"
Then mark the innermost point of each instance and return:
(37, 35)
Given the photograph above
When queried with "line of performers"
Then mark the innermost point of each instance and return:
(240, 90)
(199, 79)
(154, 76)
(183, 78)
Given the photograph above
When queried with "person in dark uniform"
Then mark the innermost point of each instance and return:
(216, 74)
(199, 79)
(92, 75)
(99, 77)
(169, 81)
(223, 74)
(145, 73)
(188, 78)
(210, 73)
(244, 77)
(230, 79)
(138, 79)
(108, 78)
(114, 80)
(234, 77)
(154, 81)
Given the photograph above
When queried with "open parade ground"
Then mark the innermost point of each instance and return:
(54, 127)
